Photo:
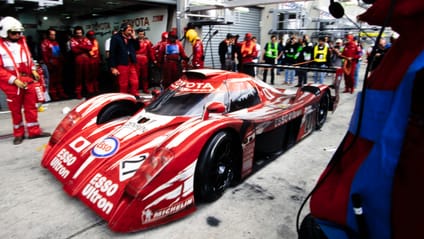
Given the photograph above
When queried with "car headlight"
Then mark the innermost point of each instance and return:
(148, 170)
(65, 125)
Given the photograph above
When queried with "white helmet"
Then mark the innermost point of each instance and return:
(10, 24)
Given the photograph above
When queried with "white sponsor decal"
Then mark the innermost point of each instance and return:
(90, 105)
(128, 167)
(134, 125)
(185, 179)
(287, 117)
(106, 148)
(199, 85)
(184, 134)
(79, 144)
(101, 129)
(267, 94)
(60, 162)
(195, 86)
(135, 152)
(97, 191)
(149, 216)
(149, 122)
(185, 176)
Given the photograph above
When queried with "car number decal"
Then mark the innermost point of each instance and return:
(128, 167)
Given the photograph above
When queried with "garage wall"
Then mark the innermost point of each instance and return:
(154, 21)
(243, 23)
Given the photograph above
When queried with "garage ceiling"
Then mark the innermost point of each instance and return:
(79, 9)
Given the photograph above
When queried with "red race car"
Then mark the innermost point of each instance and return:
(139, 163)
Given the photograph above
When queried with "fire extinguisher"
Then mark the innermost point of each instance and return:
(39, 85)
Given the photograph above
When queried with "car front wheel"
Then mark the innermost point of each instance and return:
(215, 167)
(323, 106)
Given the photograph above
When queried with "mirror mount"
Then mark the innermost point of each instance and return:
(212, 107)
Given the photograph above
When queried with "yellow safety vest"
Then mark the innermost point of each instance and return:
(320, 55)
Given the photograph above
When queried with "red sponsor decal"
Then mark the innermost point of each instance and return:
(157, 18)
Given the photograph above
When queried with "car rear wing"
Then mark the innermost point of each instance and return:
(334, 87)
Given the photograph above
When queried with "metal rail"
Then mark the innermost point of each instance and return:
(300, 68)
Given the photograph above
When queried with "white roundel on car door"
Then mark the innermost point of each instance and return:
(106, 148)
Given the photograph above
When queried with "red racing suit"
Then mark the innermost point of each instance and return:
(172, 69)
(198, 60)
(16, 63)
(54, 60)
(159, 52)
(380, 160)
(80, 47)
(248, 54)
(123, 58)
(143, 56)
(350, 51)
(91, 83)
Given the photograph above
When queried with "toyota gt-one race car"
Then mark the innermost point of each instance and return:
(140, 164)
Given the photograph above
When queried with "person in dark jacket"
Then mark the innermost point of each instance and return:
(291, 53)
(304, 59)
(122, 59)
(379, 53)
(227, 52)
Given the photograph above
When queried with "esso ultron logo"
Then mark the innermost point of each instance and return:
(106, 148)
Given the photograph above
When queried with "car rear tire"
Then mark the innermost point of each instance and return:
(322, 110)
(116, 110)
(215, 169)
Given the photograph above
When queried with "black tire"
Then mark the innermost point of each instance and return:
(116, 110)
(215, 169)
(322, 109)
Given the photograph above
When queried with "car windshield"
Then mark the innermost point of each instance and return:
(176, 102)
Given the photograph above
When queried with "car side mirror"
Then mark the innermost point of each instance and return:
(213, 107)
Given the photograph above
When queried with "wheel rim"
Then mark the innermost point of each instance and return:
(323, 110)
(222, 172)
